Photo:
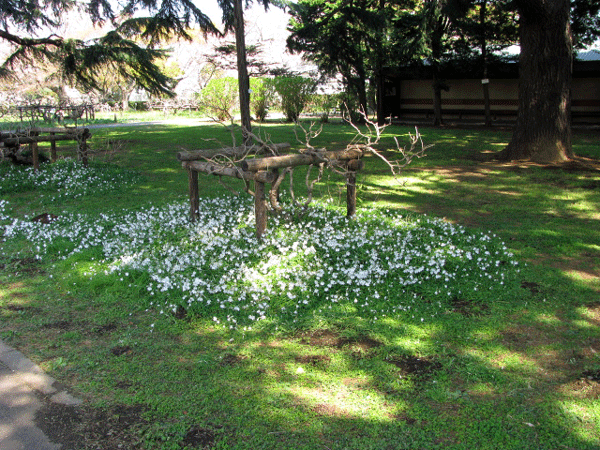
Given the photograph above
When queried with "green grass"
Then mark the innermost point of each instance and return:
(506, 366)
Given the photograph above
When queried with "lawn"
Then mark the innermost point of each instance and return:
(460, 309)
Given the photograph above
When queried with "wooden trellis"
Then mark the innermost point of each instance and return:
(32, 136)
(266, 170)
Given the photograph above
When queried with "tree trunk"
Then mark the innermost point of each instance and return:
(542, 131)
(362, 94)
(242, 67)
(485, 82)
(125, 99)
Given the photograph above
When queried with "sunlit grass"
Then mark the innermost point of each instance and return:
(508, 361)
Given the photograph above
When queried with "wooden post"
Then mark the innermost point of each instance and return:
(194, 195)
(35, 156)
(352, 167)
(260, 208)
(52, 149)
(82, 151)
(350, 194)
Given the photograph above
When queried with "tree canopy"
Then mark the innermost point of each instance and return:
(355, 37)
(31, 29)
(344, 37)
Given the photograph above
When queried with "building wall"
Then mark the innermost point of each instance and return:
(585, 96)
(413, 99)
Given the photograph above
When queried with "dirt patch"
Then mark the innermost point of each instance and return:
(121, 350)
(593, 313)
(328, 338)
(586, 386)
(414, 367)
(313, 360)
(199, 438)
(524, 339)
(327, 409)
(82, 428)
(321, 338)
(533, 287)
(45, 218)
(21, 308)
(592, 375)
(230, 359)
(468, 308)
(103, 329)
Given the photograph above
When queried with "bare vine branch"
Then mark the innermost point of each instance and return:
(372, 138)
(240, 162)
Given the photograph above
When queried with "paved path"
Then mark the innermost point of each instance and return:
(21, 382)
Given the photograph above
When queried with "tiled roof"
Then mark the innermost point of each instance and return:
(589, 55)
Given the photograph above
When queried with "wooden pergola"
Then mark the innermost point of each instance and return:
(264, 170)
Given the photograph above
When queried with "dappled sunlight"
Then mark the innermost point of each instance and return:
(167, 170)
(335, 399)
(589, 276)
(13, 291)
(394, 330)
(380, 264)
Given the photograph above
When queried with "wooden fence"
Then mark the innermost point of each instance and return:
(10, 142)
(54, 112)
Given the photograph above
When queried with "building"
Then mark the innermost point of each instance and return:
(409, 92)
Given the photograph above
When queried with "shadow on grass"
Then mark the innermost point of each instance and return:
(520, 373)
(512, 380)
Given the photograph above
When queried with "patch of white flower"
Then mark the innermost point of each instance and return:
(4, 216)
(377, 265)
(65, 178)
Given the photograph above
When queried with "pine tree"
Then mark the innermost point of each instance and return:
(30, 28)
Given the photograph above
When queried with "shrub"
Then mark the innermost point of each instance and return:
(324, 104)
(294, 93)
(261, 97)
(219, 98)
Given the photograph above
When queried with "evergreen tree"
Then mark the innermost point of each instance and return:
(346, 37)
(31, 27)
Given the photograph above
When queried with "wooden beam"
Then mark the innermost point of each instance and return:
(300, 159)
(13, 140)
(236, 172)
(230, 152)
(194, 194)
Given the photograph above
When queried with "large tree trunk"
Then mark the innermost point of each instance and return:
(242, 67)
(542, 132)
